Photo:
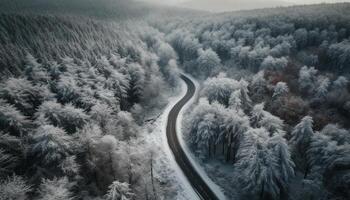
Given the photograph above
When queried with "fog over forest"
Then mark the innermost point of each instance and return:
(231, 5)
(150, 100)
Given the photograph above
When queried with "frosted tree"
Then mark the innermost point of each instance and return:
(339, 54)
(67, 89)
(152, 90)
(340, 83)
(307, 79)
(185, 44)
(50, 145)
(328, 160)
(231, 133)
(219, 89)
(206, 134)
(258, 87)
(280, 150)
(204, 125)
(271, 63)
(117, 61)
(243, 56)
(118, 83)
(69, 166)
(12, 144)
(12, 120)
(208, 62)
(67, 116)
(300, 36)
(322, 89)
(165, 53)
(282, 49)
(235, 101)
(34, 70)
(108, 97)
(87, 138)
(125, 126)
(261, 118)
(14, 188)
(7, 162)
(280, 89)
(104, 67)
(300, 142)
(257, 55)
(102, 115)
(245, 98)
(103, 157)
(119, 191)
(265, 164)
(322, 150)
(172, 74)
(308, 59)
(24, 95)
(136, 83)
(338, 92)
(258, 167)
(55, 189)
(336, 133)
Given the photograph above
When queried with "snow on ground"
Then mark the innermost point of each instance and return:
(223, 174)
(172, 180)
(194, 161)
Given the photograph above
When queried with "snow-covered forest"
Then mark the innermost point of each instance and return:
(74, 94)
(78, 88)
(273, 114)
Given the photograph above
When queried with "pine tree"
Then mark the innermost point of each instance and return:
(51, 145)
(12, 120)
(208, 62)
(261, 118)
(119, 191)
(14, 188)
(55, 189)
(300, 141)
(280, 89)
(258, 166)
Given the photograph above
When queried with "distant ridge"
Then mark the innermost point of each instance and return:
(233, 5)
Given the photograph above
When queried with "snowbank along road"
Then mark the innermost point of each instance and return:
(197, 182)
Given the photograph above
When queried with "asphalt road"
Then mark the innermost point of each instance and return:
(198, 184)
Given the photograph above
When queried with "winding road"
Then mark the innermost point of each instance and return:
(197, 182)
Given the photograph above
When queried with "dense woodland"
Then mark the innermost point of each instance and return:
(274, 102)
(73, 97)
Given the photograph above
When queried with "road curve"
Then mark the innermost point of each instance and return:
(197, 182)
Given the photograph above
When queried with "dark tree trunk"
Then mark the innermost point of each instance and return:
(262, 192)
(152, 179)
(235, 150)
(228, 152)
(130, 175)
(306, 171)
(111, 166)
(214, 146)
(223, 147)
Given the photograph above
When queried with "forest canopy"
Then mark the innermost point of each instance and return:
(79, 81)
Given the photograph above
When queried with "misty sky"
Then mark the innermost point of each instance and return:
(194, 3)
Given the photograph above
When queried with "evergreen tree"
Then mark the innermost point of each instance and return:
(300, 142)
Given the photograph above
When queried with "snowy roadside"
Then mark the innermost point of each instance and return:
(194, 161)
(172, 180)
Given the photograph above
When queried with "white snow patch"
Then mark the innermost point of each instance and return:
(216, 189)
